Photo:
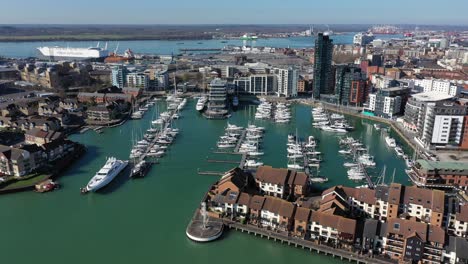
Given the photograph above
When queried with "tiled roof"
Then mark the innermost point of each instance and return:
(272, 175)
(302, 214)
(433, 199)
(342, 224)
(256, 203)
(462, 215)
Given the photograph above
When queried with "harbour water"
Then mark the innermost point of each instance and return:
(28, 49)
(144, 220)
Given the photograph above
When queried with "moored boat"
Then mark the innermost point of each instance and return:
(105, 175)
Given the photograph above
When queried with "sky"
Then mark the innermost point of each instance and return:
(434, 12)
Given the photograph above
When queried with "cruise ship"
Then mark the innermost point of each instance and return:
(92, 53)
(105, 175)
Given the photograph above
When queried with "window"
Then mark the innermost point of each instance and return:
(396, 226)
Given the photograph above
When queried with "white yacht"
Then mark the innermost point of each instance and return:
(295, 166)
(332, 129)
(390, 142)
(399, 151)
(105, 175)
(253, 163)
(137, 115)
(201, 103)
(367, 160)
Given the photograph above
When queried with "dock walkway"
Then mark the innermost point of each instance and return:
(306, 244)
(370, 183)
(154, 141)
(239, 142)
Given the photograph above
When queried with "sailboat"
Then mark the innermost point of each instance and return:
(295, 165)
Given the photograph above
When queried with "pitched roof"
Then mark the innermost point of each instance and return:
(433, 199)
(38, 132)
(394, 194)
(436, 234)
(371, 227)
(278, 206)
(365, 195)
(244, 199)
(256, 203)
(381, 192)
(298, 178)
(462, 215)
(406, 228)
(340, 190)
(231, 197)
(272, 175)
(237, 177)
(302, 214)
(342, 224)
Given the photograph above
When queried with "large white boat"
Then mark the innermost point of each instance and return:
(91, 53)
(390, 142)
(105, 175)
(201, 103)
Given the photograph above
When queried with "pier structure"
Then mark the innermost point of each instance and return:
(239, 142)
(154, 141)
(370, 183)
(285, 238)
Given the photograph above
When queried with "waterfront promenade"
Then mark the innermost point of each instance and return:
(286, 238)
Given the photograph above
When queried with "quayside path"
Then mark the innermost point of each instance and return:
(305, 244)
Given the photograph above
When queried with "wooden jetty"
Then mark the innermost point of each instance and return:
(239, 142)
(213, 173)
(227, 152)
(222, 161)
(243, 159)
(370, 183)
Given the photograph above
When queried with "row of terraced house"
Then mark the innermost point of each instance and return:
(399, 222)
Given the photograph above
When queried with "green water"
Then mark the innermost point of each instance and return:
(144, 221)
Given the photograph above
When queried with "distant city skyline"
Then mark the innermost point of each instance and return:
(449, 12)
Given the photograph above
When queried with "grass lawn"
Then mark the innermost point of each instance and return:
(26, 182)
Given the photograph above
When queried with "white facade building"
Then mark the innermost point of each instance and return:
(258, 84)
(362, 39)
(447, 128)
(269, 218)
(272, 189)
(118, 75)
(287, 82)
(138, 80)
(439, 86)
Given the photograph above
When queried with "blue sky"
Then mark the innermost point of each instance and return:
(234, 12)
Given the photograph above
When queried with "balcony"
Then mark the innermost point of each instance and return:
(394, 250)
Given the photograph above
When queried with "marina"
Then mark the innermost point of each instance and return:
(183, 163)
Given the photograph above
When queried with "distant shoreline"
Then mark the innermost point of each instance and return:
(95, 38)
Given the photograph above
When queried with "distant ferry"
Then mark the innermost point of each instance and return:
(91, 53)
(105, 175)
(248, 37)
